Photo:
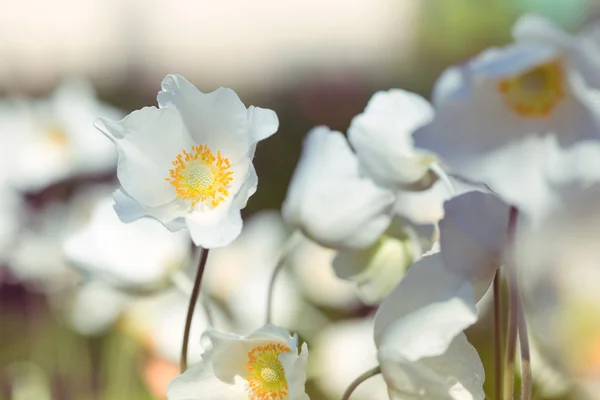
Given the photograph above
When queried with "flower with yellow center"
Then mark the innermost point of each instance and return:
(267, 379)
(520, 119)
(188, 163)
(264, 365)
(536, 92)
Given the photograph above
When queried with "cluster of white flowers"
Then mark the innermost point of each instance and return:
(413, 214)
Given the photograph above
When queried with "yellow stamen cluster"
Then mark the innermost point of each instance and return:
(267, 380)
(536, 92)
(199, 176)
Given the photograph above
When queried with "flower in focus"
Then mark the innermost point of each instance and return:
(188, 163)
(53, 139)
(329, 200)
(137, 256)
(264, 365)
(515, 118)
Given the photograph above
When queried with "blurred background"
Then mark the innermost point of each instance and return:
(64, 333)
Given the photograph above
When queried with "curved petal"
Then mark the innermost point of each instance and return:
(263, 123)
(128, 210)
(294, 367)
(428, 309)
(200, 383)
(147, 140)
(456, 374)
(218, 234)
(382, 137)
(217, 119)
(329, 200)
(473, 235)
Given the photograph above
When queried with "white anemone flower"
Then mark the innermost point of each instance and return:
(54, 139)
(520, 119)
(422, 351)
(330, 200)
(264, 365)
(382, 138)
(188, 163)
(138, 256)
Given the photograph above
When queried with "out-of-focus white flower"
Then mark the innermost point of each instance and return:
(418, 333)
(95, 307)
(158, 322)
(311, 266)
(520, 119)
(12, 215)
(53, 139)
(382, 137)
(329, 200)
(263, 365)
(560, 281)
(139, 255)
(342, 352)
(189, 162)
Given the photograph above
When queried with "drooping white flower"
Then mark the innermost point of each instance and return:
(329, 200)
(520, 119)
(264, 365)
(382, 137)
(136, 256)
(188, 163)
(53, 139)
(418, 333)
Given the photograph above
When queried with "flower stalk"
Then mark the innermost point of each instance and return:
(191, 307)
(360, 379)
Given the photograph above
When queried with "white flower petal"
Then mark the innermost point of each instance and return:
(217, 119)
(148, 140)
(427, 309)
(329, 200)
(294, 366)
(96, 307)
(130, 210)
(218, 234)
(381, 137)
(200, 383)
(263, 123)
(473, 235)
(457, 374)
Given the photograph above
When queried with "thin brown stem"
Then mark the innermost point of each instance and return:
(513, 314)
(191, 307)
(498, 336)
(363, 377)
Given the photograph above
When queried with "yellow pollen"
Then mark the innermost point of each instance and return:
(266, 380)
(57, 137)
(536, 92)
(199, 176)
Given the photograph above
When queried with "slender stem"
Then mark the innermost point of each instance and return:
(271, 289)
(291, 242)
(526, 384)
(498, 337)
(192, 305)
(363, 377)
(513, 315)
